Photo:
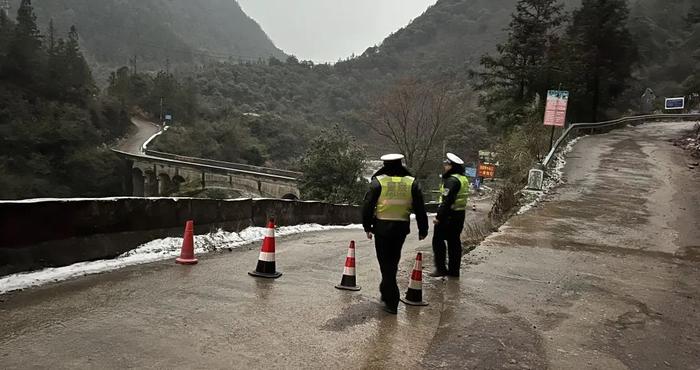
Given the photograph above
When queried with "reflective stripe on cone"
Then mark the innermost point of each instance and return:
(348, 282)
(266, 261)
(414, 293)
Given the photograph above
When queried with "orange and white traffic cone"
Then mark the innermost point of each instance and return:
(414, 294)
(348, 281)
(187, 252)
(266, 261)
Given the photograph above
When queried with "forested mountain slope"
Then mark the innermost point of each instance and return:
(153, 31)
(54, 124)
(445, 43)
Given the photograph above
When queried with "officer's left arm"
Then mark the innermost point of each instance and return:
(449, 196)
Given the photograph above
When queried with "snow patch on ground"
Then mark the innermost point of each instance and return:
(554, 179)
(156, 250)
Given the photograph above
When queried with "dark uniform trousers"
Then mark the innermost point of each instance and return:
(448, 233)
(388, 254)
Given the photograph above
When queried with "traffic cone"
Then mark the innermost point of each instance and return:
(266, 261)
(348, 281)
(414, 294)
(187, 252)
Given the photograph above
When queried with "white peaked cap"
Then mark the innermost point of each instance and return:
(392, 157)
(454, 159)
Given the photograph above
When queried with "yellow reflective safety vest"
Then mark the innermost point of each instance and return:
(460, 203)
(395, 200)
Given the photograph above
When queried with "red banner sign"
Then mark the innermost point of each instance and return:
(487, 170)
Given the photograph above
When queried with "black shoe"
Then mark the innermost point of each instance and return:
(391, 310)
(438, 273)
(451, 274)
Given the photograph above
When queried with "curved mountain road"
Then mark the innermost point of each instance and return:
(143, 131)
(603, 274)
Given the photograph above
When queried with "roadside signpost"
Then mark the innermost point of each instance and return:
(555, 110)
(470, 172)
(487, 170)
(487, 156)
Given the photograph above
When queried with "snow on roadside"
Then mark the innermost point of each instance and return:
(144, 146)
(156, 250)
(550, 181)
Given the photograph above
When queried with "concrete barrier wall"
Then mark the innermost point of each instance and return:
(49, 233)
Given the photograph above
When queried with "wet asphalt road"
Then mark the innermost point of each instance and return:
(143, 130)
(603, 275)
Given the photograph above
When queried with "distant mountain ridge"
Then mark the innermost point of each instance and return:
(450, 37)
(113, 32)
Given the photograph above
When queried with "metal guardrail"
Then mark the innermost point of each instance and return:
(605, 124)
(207, 166)
(231, 165)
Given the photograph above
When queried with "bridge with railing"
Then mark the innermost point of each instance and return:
(153, 173)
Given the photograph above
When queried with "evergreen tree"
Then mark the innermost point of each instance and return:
(24, 55)
(6, 31)
(693, 16)
(119, 85)
(51, 45)
(55, 67)
(333, 168)
(79, 85)
(522, 67)
(600, 55)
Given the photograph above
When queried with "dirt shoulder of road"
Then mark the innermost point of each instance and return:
(602, 275)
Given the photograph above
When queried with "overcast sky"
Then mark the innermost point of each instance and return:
(328, 30)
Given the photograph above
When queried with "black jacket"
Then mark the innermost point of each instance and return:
(452, 187)
(389, 228)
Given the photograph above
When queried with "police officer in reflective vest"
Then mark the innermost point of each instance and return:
(449, 221)
(392, 197)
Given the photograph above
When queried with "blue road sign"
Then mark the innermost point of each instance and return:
(470, 171)
(675, 103)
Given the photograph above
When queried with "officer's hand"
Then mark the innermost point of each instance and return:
(369, 235)
(436, 221)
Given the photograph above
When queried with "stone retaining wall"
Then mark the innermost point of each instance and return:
(49, 233)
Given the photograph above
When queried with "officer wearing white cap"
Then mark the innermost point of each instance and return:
(449, 221)
(392, 197)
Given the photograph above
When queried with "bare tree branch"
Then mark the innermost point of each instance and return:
(413, 116)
